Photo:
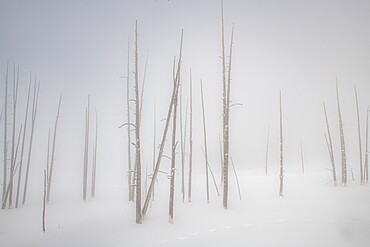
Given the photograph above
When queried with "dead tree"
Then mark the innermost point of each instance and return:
(205, 142)
(95, 148)
(23, 145)
(366, 165)
(169, 113)
(281, 176)
(173, 153)
(50, 175)
(5, 133)
(130, 172)
(33, 122)
(359, 139)
(342, 143)
(183, 144)
(137, 134)
(330, 147)
(44, 204)
(190, 139)
(236, 177)
(86, 152)
(267, 150)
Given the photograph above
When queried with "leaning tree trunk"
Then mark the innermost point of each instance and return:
(342, 143)
(281, 176)
(359, 139)
(169, 113)
(330, 147)
(50, 174)
(5, 172)
(44, 204)
(205, 142)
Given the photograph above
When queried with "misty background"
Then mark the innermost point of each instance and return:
(78, 48)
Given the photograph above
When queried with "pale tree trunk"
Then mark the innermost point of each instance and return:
(130, 172)
(137, 134)
(183, 144)
(342, 143)
(50, 174)
(86, 153)
(93, 178)
(5, 133)
(359, 139)
(173, 155)
(281, 176)
(23, 145)
(366, 175)
(205, 142)
(236, 178)
(190, 139)
(33, 122)
(44, 204)
(160, 154)
(330, 147)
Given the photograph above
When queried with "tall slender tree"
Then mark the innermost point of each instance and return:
(5, 171)
(95, 148)
(342, 143)
(359, 139)
(330, 147)
(190, 139)
(205, 142)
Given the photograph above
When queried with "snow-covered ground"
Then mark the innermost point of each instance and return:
(312, 213)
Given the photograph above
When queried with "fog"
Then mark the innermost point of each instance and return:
(78, 48)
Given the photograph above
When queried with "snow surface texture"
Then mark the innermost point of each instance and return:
(312, 213)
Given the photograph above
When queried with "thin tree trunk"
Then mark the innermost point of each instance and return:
(359, 139)
(302, 160)
(330, 147)
(5, 133)
(342, 143)
(86, 154)
(366, 175)
(183, 145)
(137, 134)
(213, 176)
(44, 205)
(267, 150)
(173, 155)
(174, 95)
(236, 177)
(205, 142)
(222, 161)
(190, 139)
(281, 176)
(23, 145)
(93, 179)
(50, 175)
(33, 122)
(130, 182)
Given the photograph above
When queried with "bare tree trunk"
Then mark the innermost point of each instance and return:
(23, 145)
(190, 139)
(173, 155)
(183, 145)
(366, 175)
(267, 150)
(174, 95)
(130, 182)
(13, 158)
(236, 177)
(137, 134)
(33, 122)
(222, 161)
(359, 139)
(5, 133)
(86, 154)
(50, 175)
(93, 179)
(330, 147)
(205, 141)
(281, 176)
(210, 171)
(342, 143)
(302, 160)
(44, 205)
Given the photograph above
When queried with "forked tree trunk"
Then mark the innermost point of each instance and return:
(342, 143)
(160, 154)
(33, 122)
(281, 176)
(190, 139)
(359, 139)
(50, 174)
(330, 147)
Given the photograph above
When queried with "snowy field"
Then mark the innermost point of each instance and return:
(312, 213)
